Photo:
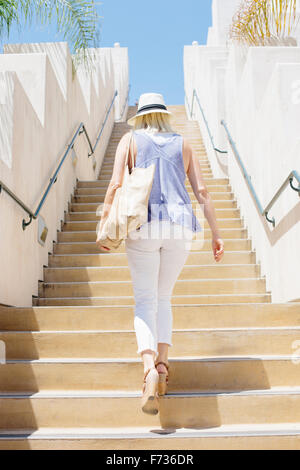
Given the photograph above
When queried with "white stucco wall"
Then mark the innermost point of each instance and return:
(297, 32)
(222, 13)
(257, 91)
(121, 68)
(263, 117)
(204, 71)
(41, 105)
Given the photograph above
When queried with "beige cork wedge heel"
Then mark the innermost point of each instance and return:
(163, 379)
(149, 398)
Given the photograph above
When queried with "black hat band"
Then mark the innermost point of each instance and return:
(152, 106)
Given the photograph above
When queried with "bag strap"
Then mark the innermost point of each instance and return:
(132, 151)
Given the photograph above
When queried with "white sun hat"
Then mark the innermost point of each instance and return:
(149, 103)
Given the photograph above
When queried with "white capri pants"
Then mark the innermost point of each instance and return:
(156, 256)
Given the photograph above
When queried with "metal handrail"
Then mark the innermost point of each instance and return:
(80, 130)
(17, 200)
(105, 120)
(125, 103)
(191, 109)
(288, 181)
(34, 215)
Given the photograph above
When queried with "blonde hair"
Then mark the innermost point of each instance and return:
(154, 122)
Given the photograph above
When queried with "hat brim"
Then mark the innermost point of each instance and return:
(130, 121)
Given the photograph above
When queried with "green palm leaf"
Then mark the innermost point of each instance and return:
(8, 15)
(76, 20)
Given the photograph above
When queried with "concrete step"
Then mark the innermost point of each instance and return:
(108, 165)
(107, 173)
(98, 183)
(224, 209)
(213, 342)
(124, 288)
(94, 206)
(119, 273)
(195, 375)
(220, 214)
(226, 437)
(203, 158)
(214, 299)
(89, 236)
(201, 410)
(90, 247)
(116, 259)
(93, 198)
(224, 189)
(110, 156)
(91, 224)
(110, 153)
(206, 169)
(121, 317)
(182, 130)
(211, 184)
(99, 198)
(196, 144)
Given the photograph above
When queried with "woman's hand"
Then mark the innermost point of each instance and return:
(98, 241)
(218, 248)
(104, 248)
(101, 247)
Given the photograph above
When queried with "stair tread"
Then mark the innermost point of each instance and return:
(229, 219)
(124, 254)
(174, 296)
(56, 394)
(228, 209)
(124, 360)
(179, 281)
(193, 241)
(124, 433)
(25, 310)
(175, 330)
(126, 267)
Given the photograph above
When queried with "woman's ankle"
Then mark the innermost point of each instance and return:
(163, 353)
(160, 364)
(148, 358)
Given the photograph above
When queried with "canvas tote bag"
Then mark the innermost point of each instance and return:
(129, 209)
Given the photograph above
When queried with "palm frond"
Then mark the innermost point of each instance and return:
(259, 21)
(8, 15)
(76, 20)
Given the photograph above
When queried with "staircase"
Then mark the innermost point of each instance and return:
(73, 379)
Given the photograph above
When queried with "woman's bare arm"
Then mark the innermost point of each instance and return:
(116, 179)
(200, 190)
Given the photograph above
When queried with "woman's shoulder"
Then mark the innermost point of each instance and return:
(125, 137)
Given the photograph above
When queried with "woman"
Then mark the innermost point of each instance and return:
(158, 251)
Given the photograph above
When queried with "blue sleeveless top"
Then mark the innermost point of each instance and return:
(169, 198)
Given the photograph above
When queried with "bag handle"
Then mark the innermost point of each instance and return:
(132, 152)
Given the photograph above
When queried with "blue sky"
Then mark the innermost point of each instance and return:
(154, 32)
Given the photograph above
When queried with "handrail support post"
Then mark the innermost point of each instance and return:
(271, 221)
(293, 187)
(26, 224)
